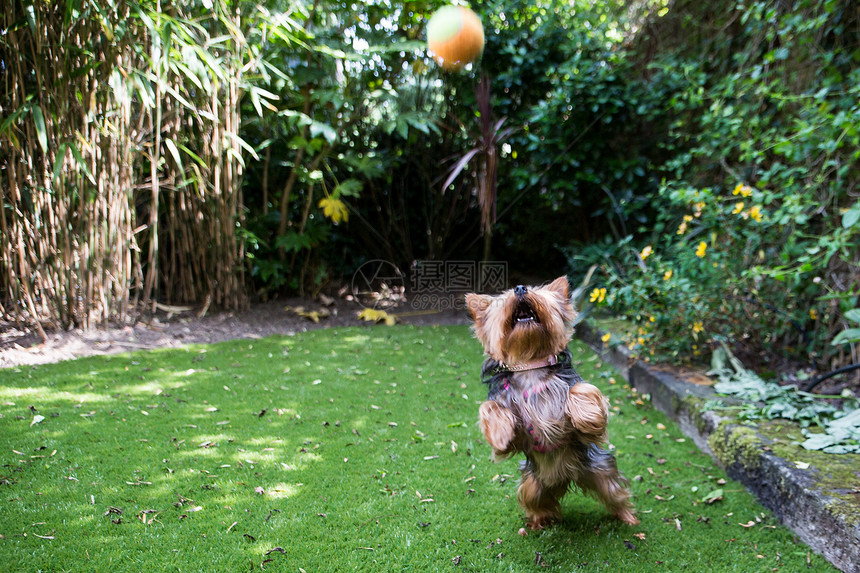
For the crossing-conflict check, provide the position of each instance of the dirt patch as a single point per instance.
(20, 346)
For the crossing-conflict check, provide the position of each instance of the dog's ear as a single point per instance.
(478, 305)
(560, 286)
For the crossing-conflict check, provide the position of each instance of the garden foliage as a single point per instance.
(755, 233)
(704, 155)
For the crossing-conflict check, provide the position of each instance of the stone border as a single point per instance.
(828, 524)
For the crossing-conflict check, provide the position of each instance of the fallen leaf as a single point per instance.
(629, 545)
(639, 536)
(798, 465)
(259, 490)
(713, 497)
(36, 419)
(377, 316)
(749, 523)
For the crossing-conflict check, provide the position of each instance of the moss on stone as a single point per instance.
(837, 475)
(736, 444)
(695, 406)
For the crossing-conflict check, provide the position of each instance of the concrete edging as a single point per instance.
(824, 522)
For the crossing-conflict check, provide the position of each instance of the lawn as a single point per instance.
(353, 449)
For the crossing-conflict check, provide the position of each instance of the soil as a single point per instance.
(22, 346)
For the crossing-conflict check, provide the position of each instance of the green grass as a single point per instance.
(350, 450)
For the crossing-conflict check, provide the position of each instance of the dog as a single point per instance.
(538, 405)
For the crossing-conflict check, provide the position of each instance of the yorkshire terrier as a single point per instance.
(539, 405)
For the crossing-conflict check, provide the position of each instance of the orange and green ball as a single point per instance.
(455, 36)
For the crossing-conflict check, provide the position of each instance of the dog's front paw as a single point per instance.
(497, 425)
(588, 411)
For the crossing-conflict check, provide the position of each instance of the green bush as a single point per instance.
(756, 237)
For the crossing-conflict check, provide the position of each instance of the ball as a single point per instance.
(455, 36)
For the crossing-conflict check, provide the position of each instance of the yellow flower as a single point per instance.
(606, 337)
(813, 314)
(652, 319)
(698, 327)
(739, 206)
(699, 207)
(646, 252)
(334, 209)
(755, 213)
(598, 295)
(667, 275)
(742, 190)
(682, 228)
(700, 250)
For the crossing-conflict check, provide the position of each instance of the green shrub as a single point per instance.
(756, 235)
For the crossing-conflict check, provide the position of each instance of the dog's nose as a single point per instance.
(520, 290)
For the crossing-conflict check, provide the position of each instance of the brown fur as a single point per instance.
(556, 425)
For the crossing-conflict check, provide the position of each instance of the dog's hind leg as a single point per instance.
(540, 502)
(603, 480)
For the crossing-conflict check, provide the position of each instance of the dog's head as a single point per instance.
(523, 323)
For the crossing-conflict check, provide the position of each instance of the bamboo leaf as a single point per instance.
(7, 123)
(174, 151)
(237, 155)
(255, 100)
(104, 20)
(76, 153)
(178, 97)
(198, 179)
(70, 9)
(244, 145)
(192, 155)
(186, 72)
(58, 162)
(41, 130)
(31, 18)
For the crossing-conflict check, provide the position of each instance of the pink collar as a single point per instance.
(550, 360)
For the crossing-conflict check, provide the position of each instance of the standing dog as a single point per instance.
(538, 404)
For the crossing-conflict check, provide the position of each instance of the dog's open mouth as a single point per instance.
(524, 314)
